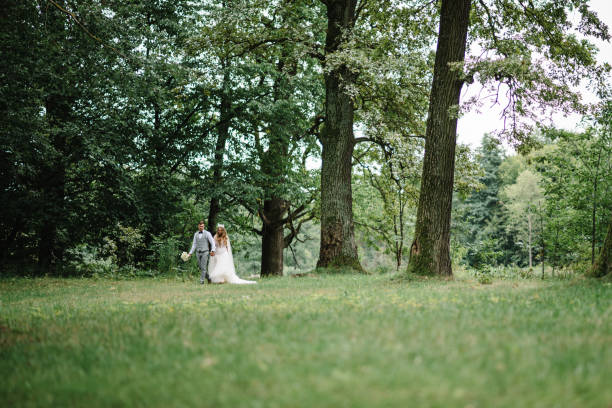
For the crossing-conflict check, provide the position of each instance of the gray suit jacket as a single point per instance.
(205, 243)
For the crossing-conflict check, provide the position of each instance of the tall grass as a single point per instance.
(332, 341)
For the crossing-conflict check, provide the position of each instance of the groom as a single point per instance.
(203, 243)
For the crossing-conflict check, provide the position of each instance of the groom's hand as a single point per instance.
(212, 253)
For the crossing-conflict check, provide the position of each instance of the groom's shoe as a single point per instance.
(208, 279)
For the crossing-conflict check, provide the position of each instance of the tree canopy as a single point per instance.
(299, 124)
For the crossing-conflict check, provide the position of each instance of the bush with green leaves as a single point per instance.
(129, 241)
(165, 255)
(484, 279)
(87, 260)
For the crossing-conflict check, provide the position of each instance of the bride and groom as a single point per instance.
(219, 250)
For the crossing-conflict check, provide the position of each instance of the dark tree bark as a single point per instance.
(337, 230)
(274, 165)
(17, 226)
(594, 211)
(222, 137)
(430, 250)
(398, 228)
(603, 264)
(272, 239)
(275, 207)
(53, 184)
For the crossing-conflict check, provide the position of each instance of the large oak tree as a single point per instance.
(527, 47)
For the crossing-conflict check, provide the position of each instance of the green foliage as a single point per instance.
(102, 120)
(484, 279)
(165, 254)
(541, 70)
(523, 201)
(484, 255)
(525, 273)
(603, 264)
(523, 196)
(85, 260)
(561, 189)
(576, 179)
(110, 116)
(479, 222)
(129, 243)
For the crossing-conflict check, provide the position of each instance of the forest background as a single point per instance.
(125, 123)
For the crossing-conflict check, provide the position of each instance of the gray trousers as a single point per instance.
(203, 264)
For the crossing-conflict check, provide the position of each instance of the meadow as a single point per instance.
(311, 341)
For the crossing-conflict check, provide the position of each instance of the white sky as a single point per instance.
(473, 125)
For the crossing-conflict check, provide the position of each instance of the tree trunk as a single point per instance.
(430, 250)
(272, 239)
(603, 264)
(8, 243)
(338, 246)
(556, 246)
(275, 166)
(398, 229)
(529, 240)
(222, 137)
(594, 211)
(542, 242)
(53, 185)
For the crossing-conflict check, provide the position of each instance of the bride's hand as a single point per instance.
(212, 253)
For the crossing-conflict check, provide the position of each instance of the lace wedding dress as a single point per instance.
(221, 268)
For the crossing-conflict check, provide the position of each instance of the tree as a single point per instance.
(543, 30)
(430, 250)
(59, 166)
(603, 264)
(390, 172)
(337, 140)
(111, 117)
(269, 111)
(479, 220)
(522, 201)
(576, 174)
(225, 42)
(376, 67)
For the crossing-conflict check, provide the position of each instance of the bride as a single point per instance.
(222, 264)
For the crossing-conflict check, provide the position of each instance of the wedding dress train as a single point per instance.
(221, 268)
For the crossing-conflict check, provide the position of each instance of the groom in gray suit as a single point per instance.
(203, 244)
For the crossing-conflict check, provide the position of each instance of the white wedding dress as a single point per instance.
(221, 267)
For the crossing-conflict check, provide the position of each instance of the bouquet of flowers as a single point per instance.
(184, 256)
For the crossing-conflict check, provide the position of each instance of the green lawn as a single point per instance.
(335, 341)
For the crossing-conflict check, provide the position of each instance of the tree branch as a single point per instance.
(380, 143)
(359, 9)
(89, 33)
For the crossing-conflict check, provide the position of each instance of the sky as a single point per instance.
(473, 125)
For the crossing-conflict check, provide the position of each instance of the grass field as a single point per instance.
(314, 341)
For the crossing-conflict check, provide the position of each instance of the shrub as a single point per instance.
(129, 241)
(484, 279)
(165, 254)
(86, 260)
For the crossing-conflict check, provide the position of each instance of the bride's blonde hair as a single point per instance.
(221, 236)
